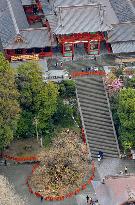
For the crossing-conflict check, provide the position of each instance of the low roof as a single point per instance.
(31, 38)
(122, 32)
(28, 2)
(69, 2)
(123, 47)
(49, 14)
(81, 19)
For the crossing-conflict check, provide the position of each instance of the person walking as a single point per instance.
(61, 64)
(99, 159)
(103, 181)
(125, 169)
(87, 197)
(5, 162)
(41, 198)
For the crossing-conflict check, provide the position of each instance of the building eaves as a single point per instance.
(123, 47)
(122, 32)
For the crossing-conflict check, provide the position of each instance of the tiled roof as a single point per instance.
(19, 14)
(47, 8)
(124, 10)
(49, 14)
(12, 18)
(28, 2)
(122, 32)
(109, 12)
(32, 38)
(57, 3)
(52, 19)
(81, 19)
(123, 47)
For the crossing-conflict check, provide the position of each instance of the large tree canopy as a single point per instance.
(9, 107)
(37, 99)
(126, 113)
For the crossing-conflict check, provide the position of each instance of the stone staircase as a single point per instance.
(96, 116)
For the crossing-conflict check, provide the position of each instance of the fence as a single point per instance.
(60, 198)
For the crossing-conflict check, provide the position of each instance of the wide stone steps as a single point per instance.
(90, 90)
(95, 139)
(94, 106)
(98, 121)
(97, 113)
(96, 116)
(99, 129)
(101, 135)
(93, 98)
(90, 87)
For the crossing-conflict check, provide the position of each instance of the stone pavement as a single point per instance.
(110, 167)
(16, 174)
(113, 166)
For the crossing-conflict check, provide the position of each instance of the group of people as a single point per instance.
(61, 64)
(125, 170)
(90, 69)
(91, 202)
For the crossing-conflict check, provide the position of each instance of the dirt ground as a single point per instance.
(24, 147)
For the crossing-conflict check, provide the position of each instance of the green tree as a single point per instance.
(67, 89)
(46, 103)
(114, 108)
(63, 115)
(37, 99)
(9, 107)
(129, 82)
(126, 113)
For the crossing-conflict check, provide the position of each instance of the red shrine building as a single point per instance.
(38, 27)
(82, 24)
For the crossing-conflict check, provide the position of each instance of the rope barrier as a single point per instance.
(60, 198)
(21, 159)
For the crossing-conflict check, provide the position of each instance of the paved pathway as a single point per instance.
(114, 166)
(17, 174)
(106, 168)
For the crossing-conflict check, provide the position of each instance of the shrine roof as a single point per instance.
(122, 32)
(81, 19)
(28, 2)
(124, 10)
(49, 14)
(31, 38)
(12, 19)
(117, 11)
(123, 47)
(57, 3)
(47, 8)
